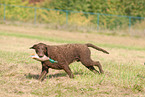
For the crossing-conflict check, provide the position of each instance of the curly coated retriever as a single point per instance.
(66, 54)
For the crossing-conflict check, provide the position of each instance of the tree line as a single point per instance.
(116, 7)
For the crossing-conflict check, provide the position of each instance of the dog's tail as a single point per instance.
(97, 48)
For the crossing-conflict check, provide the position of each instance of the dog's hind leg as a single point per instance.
(97, 63)
(86, 60)
(89, 63)
(91, 68)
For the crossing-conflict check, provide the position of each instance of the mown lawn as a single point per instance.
(124, 66)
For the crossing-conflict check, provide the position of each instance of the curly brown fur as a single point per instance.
(65, 55)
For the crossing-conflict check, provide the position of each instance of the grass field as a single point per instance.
(124, 67)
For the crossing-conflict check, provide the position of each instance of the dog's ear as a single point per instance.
(46, 53)
(33, 47)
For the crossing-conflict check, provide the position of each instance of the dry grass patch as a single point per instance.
(124, 68)
(100, 39)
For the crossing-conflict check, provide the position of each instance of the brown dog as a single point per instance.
(66, 54)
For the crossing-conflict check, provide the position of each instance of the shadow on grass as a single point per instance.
(30, 76)
(36, 76)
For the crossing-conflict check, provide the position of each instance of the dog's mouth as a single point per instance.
(40, 56)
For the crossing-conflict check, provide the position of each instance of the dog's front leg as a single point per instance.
(43, 73)
(68, 71)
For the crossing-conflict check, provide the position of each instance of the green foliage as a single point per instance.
(118, 7)
(114, 7)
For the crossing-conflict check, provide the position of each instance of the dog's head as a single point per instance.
(40, 49)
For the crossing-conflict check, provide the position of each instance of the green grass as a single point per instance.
(124, 70)
(60, 40)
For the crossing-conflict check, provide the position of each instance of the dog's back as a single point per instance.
(67, 52)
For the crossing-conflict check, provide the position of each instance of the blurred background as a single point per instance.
(125, 17)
